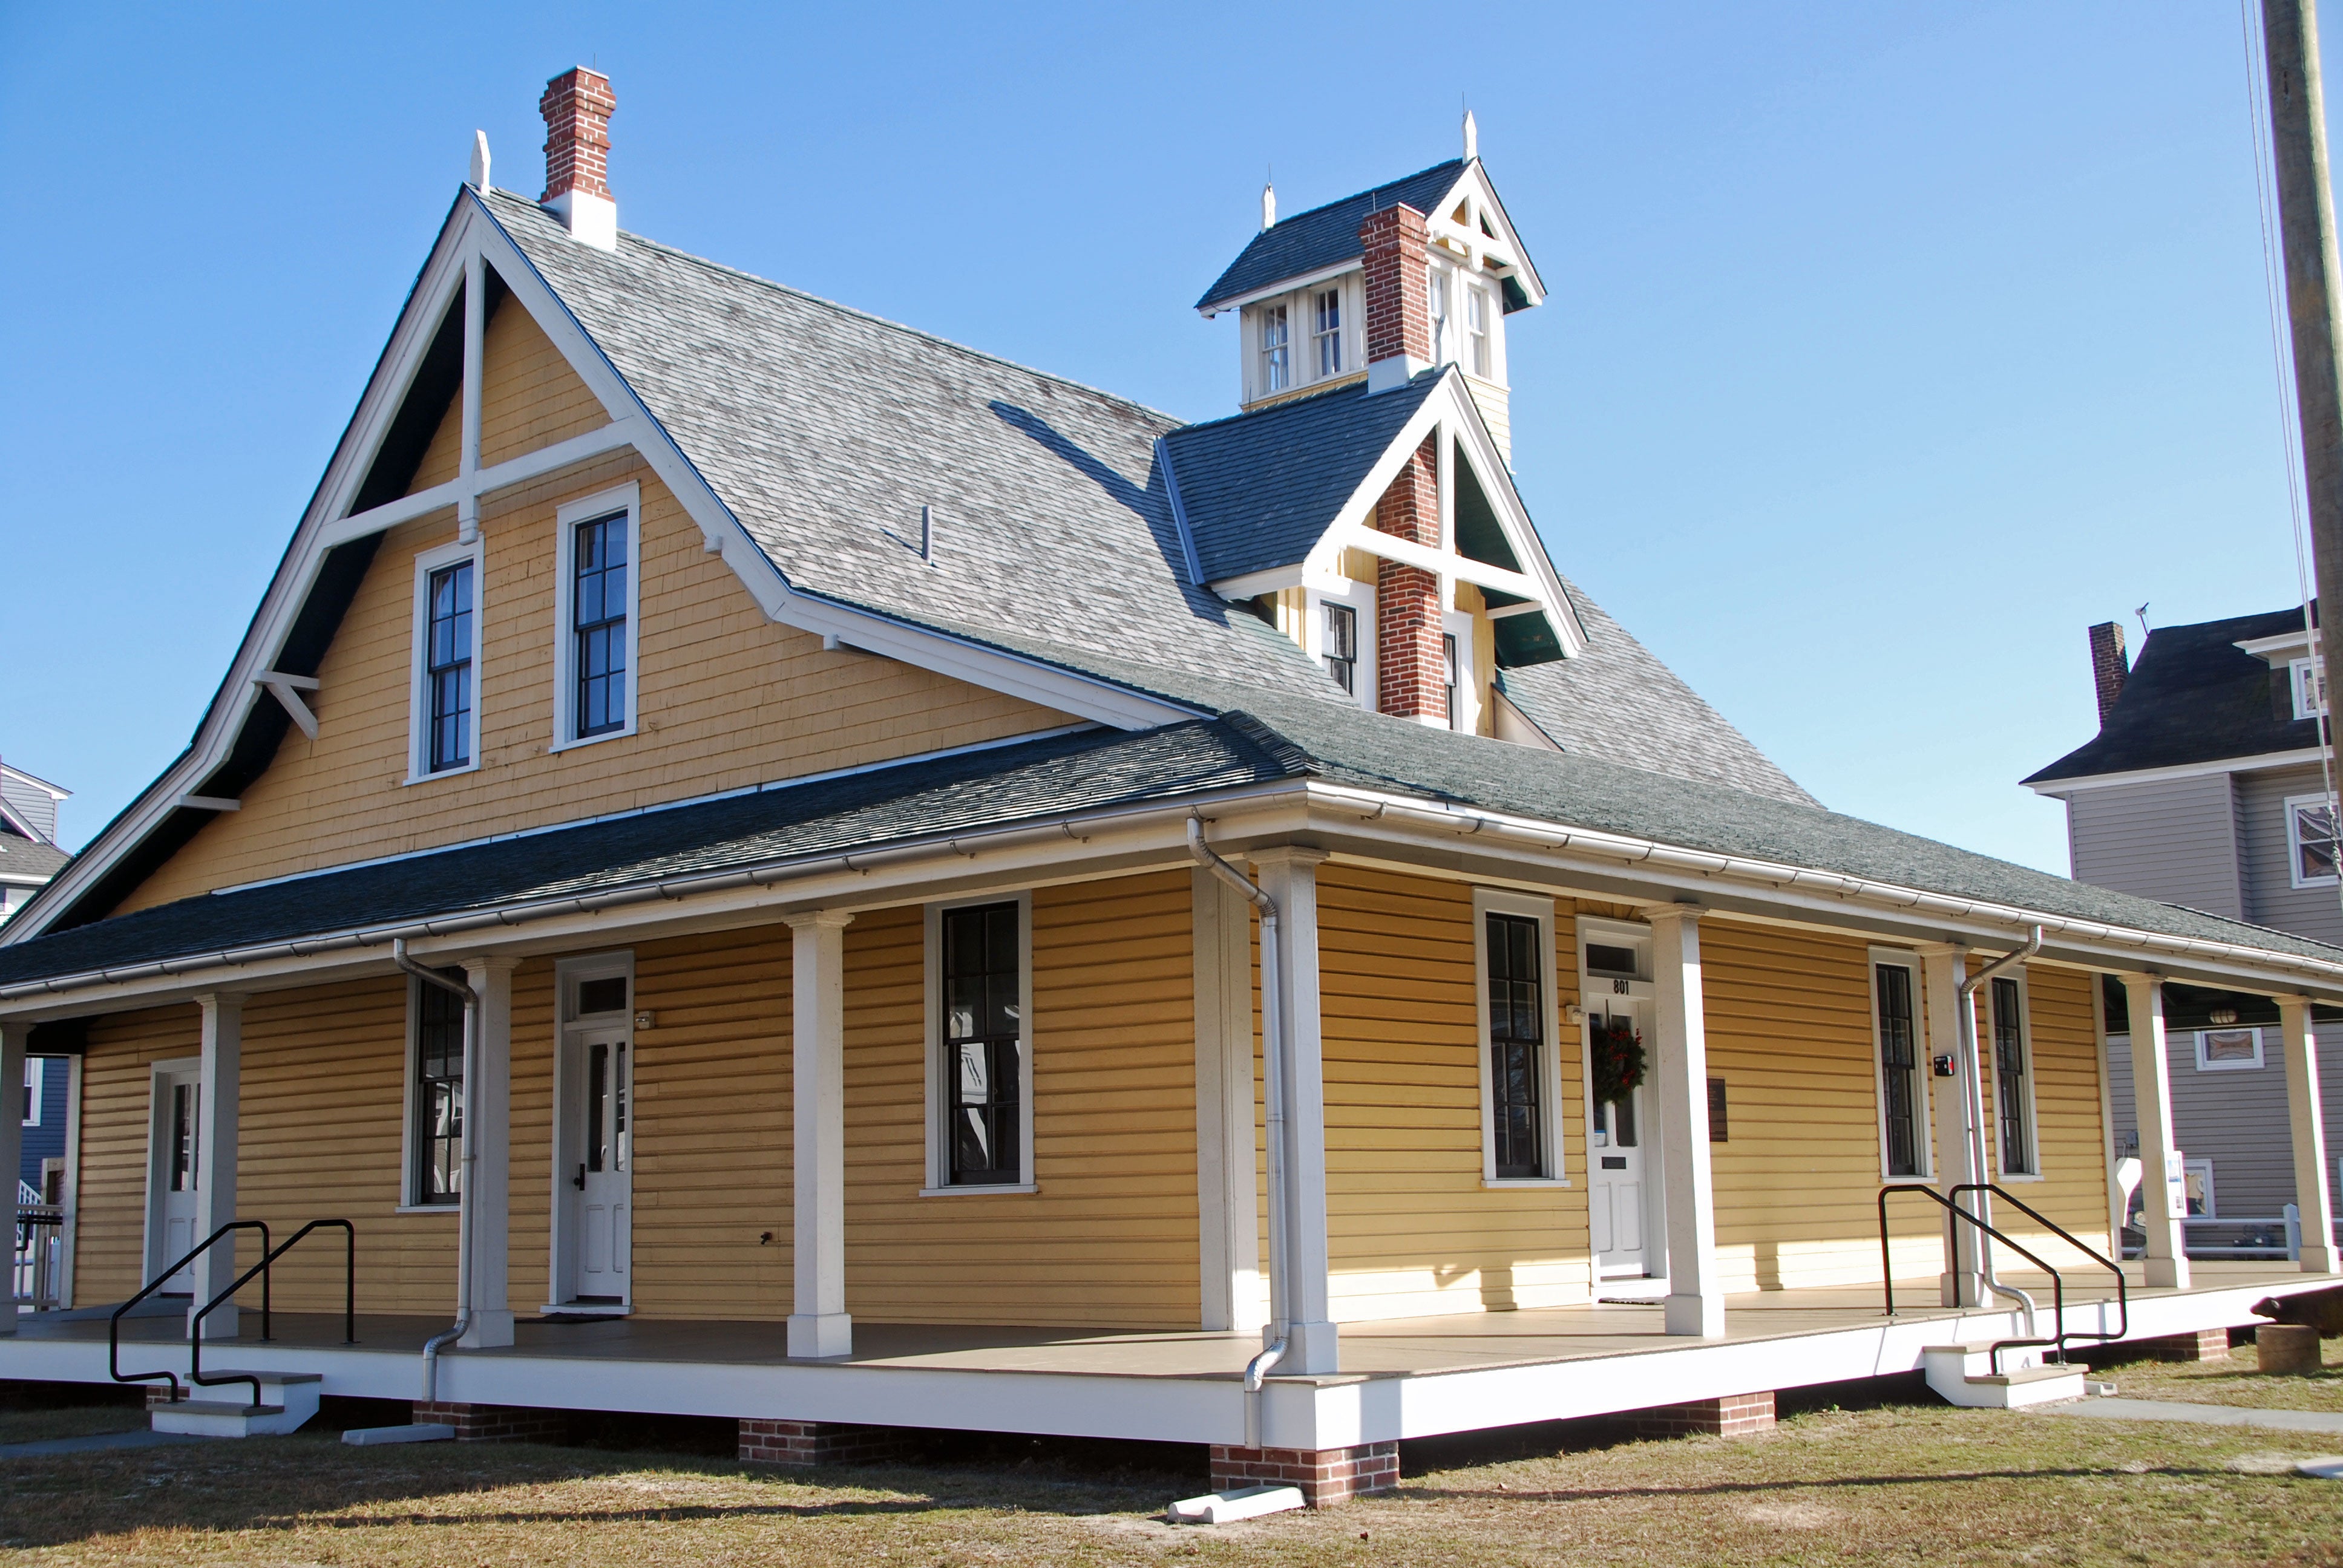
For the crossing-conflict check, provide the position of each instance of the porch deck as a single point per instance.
(1399, 1378)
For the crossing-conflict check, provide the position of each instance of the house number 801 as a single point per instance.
(1618, 987)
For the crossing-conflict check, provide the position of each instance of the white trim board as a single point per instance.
(2258, 762)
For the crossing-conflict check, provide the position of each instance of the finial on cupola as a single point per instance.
(1268, 204)
(1471, 138)
(480, 175)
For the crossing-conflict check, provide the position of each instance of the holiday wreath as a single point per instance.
(1618, 1059)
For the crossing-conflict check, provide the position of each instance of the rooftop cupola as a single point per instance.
(577, 106)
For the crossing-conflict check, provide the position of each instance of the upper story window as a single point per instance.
(1448, 672)
(1329, 331)
(2310, 835)
(448, 665)
(594, 696)
(1435, 305)
(445, 701)
(1476, 330)
(2309, 683)
(1341, 646)
(1276, 350)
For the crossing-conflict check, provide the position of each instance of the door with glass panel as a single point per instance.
(595, 1250)
(178, 1131)
(1617, 1003)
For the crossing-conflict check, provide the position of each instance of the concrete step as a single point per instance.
(1963, 1375)
(288, 1401)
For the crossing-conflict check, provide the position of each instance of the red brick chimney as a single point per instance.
(2108, 666)
(576, 106)
(1410, 675)
(1398, 319)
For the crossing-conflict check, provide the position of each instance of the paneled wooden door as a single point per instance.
(1617, 1144)
(175, 1161)
(600, 1201)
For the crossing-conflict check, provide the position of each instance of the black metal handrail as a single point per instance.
(114, 1325)
(263, 1269)
(2057, 1343)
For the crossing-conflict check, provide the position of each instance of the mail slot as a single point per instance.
(1615, 1162)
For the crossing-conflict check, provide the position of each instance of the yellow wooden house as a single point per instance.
(775, 867)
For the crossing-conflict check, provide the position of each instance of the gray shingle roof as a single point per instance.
(22, 858)
(1259, 489)
(1325, 236)
(2195, 697)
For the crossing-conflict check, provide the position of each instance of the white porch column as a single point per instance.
(1696, 1303)
(818, 1324)
(490, 1198)
(13, 1036)
(1289, 875)
(1944, 967)
(2309, 1126)
(2167, 1258)
(1227, 1171)
(220, 1083)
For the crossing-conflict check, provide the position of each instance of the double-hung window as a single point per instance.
(599, 585)
(1341, 646)
(1448, 672)
(1476, 328)
(436, 1095)
(1276, 350)
(2310, 838)
(1435, 304)
(1520, 1081)
(2013, 1092)
(980, 996)
(445, 721)
(1329, 333)
(1903, 1094)
(2309, 683)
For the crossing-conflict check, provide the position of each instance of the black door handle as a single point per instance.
(579, 1181)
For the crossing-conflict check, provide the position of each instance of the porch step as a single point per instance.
(288, 1401)
(1963, 1375)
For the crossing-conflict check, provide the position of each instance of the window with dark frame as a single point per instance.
(2009, 1077)
(984, 1046)
(186, 1100)
(1516, 1045)
(1448, 672)
(1899, 1063)
(447, 668)
(438, 1093)
(598, 621)
(1342, 646)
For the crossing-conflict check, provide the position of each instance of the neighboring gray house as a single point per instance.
(29, 855)
(2204, 788)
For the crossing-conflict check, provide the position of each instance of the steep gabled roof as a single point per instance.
(1326, 236)
(2195, 697)
(1259, 489)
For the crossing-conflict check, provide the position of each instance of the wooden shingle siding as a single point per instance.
(2176, 841)
(1111, 1237)
(1412, 1229)
(2237, 1119)
(2275, 901)
(727, 698)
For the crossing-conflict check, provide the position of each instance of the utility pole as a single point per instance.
(2306, 204)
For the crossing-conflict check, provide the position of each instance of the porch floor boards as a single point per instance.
(1392, 1347)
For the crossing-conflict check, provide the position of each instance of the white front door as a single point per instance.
(1617, 1143)
(176, 1129)
(601, 1156)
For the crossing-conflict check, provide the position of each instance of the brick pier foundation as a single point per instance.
(1733, 1415)
(803, 1444)
(1326, 1476)
(2204, 1345)
(494, 1423)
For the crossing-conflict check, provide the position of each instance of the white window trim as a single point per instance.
(939, 1183)
(2294, 841)
(1636, 937)
(2261, 1050)
(1923, 1070)
(1458, 624)
(1359, 598)
(1487, 901)
(410, 1197)
(418, 705)
(626, 498)
(2033, 1107)
(2298, 680)
(36, 1084)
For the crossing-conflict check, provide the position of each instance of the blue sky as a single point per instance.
(1887, 346)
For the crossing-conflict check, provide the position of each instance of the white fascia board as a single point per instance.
(1285, 285)
(8, 770)
(2275, 651)
(2258, 762)
(1447, 563)
(1524, 269)
(1253, 584)
(1514, 513)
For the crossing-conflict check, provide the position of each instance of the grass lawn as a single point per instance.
(2236, 1381)
(1893, 1483)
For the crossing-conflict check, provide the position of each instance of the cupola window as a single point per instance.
(1342, 646)
(1276, 351)
(1329, 332)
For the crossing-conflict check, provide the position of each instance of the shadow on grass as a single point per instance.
(1778, 1485)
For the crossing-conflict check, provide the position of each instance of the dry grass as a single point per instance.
(79, 1421)
(2236, 1381)
(1900, 1484)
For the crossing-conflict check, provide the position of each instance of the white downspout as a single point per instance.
(432, 1346)
(1973, 1102)
(1272, 1062)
